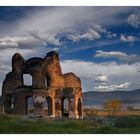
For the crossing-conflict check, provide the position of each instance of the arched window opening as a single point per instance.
(47, 81)
(65, 107)
(27, 78)
(79, 108)
(48, 106)
(29, 105)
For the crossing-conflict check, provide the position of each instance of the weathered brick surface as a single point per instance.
(59, 87)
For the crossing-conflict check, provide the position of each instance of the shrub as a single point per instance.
(113, 106)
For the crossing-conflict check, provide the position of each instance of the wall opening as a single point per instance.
(29, 105)
(27, 79)
(65, 107)
(48, 106)
(79, 108)
(47, 81)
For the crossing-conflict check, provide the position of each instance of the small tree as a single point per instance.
(113, 106)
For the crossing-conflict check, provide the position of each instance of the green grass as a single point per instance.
(18, 125)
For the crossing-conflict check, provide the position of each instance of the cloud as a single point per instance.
(101, 78)
(99, 28)
(44, 25)
(112, 87)
(116, 73)
(104, 54)
(134, 20)
(18, 42)
(129, 59)
(31, 33)
(111, 35)
(8, 43)
(46, 38)
(4, 68)
(60, 20)
(29, 41)
(92, 70)
(90, 35)
(129, 38)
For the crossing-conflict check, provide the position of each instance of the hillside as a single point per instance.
(93, 98)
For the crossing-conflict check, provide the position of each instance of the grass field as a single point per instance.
(20, 125)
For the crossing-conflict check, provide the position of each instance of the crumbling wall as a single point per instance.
(71, 80)
(53, 70)
(12, 81)
(59, 86)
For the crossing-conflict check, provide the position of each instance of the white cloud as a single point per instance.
(47, 38)
(112, 87)
(18, 42)
(74, 38)
(4, 68)
(46, 24)
(101, 78)
(111, 35)
(120, 55)
(129, 38)
(129, 59)
(116, 73)
(104, 54)
(90, 35)
(29, 41)
(58, 20)
(99, 28)
(90, 69)
(28, 34)
(8, 43)
(134, 20)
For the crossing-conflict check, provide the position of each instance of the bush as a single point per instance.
(113, 106)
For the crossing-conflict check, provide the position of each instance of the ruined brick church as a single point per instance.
(48, 85)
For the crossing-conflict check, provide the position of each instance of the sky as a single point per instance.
(101, 45)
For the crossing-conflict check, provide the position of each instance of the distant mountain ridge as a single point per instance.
(97, 99)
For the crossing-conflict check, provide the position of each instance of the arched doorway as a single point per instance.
(48, 106)
(65, 107)
(29, 105)
(79, 108)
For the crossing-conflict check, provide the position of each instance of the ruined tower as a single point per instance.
(49, 86)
